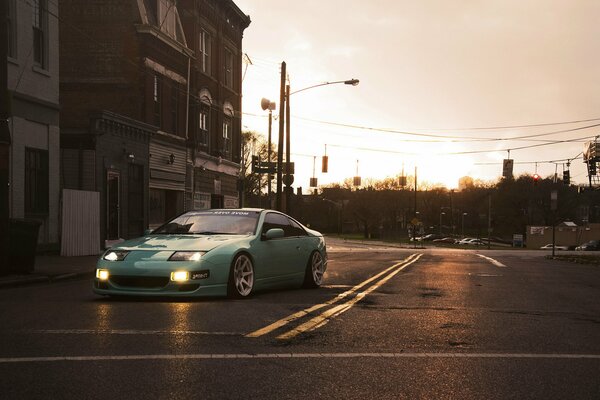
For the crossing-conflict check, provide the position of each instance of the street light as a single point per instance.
(285, 98)
(267, 104)
(442, 213)
(462, 232)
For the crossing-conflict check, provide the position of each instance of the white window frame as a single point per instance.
(40, 32)
(166, 17)
(204, 51)
(228, 68)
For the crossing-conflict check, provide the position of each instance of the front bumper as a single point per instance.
(150, 275)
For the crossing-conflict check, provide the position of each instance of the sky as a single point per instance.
(463, 79)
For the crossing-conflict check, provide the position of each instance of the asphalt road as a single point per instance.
(389, 324)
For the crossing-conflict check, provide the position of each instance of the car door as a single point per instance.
(304, 245)
(275, 256)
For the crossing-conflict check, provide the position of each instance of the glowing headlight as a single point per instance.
(116, 255)
(102, 274)
(186, 256)
(180, 276)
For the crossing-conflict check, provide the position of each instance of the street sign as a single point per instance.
(270, 167)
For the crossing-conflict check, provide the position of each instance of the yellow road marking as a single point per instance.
(284, 321)
(324, 317)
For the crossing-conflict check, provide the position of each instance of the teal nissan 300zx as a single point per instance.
(215, 253)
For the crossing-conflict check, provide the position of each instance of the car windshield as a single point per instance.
(212, 222)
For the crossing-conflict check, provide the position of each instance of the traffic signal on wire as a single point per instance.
(536, 179)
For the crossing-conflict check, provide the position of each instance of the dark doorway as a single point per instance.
(135, 201)
(216, 201)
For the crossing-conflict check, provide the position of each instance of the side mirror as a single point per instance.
(147, 232)
(274, 233)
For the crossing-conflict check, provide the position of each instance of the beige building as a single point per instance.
(567, 234)
(33, 86)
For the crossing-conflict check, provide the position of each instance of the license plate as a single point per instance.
(199, 275)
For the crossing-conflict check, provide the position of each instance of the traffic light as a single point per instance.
(591, 168)
(325, 164)
(566, 177)
(536, 179)
(255, 163)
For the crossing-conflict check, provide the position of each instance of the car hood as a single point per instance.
(177, 242)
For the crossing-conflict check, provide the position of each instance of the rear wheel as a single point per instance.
(241, 277)
(315, 269)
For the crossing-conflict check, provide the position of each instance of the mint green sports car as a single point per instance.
(215, 253)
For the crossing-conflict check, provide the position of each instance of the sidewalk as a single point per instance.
(52, 268)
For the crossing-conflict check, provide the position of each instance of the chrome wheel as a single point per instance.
(243, 275)
(317, 268)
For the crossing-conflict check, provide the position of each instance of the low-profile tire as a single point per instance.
(315, 269)
(241, 277)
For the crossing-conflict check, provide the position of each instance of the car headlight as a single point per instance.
(180, 276)
(187, 256)
(115, 255)
(102, 274)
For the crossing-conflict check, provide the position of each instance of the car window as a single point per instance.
(212, 222)
(296, 229)
(275, 220)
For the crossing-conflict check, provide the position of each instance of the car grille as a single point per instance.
(145, 282)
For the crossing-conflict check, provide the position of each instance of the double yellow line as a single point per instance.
(325, 316)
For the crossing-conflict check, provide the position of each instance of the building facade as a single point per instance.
(32, 66)
(214, 30)
(130, 103)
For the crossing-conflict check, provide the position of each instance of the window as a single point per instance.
(275, 220)
(157, 100)
(204, 51)
(296, 229)
(228, 66)
(40, 32)
(227, 135)
(11, 26)
(167, 17)
(203, 125)
(36, 181)
(174, 107)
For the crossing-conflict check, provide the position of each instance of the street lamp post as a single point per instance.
(462, 231)
(267, 104)
(441, 213)
(285, 98)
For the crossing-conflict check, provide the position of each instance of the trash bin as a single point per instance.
(22, 244)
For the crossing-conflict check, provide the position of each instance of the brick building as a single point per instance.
(140, 124)
(32, 80)
(214, 30)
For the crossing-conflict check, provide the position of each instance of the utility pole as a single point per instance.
(5, 113)
(489, 219)
(282, 97)
(289, 178)
(415, 190)
(269, 175)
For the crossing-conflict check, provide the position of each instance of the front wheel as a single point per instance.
(315, 269)
(241, 277)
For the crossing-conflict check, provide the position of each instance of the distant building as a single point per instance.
(141, 122)
(32, 66)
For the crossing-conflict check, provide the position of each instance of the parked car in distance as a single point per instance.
(445, 240)
(589, 246)
(557, 247)
(471, 242)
